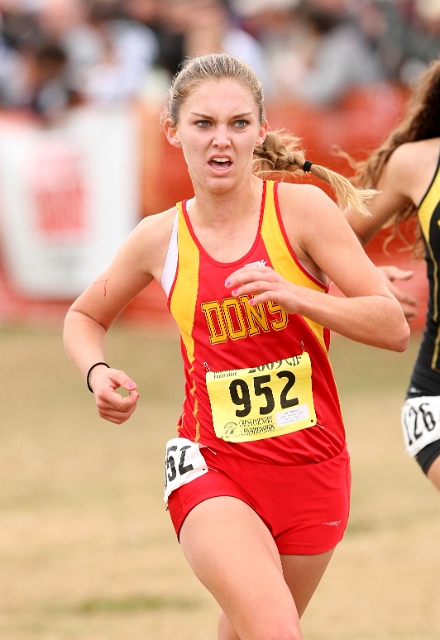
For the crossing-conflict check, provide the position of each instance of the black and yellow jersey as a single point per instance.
(425, 379)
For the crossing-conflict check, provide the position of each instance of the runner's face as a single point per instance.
(218, 130)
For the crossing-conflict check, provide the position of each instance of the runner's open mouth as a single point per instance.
(223, 163)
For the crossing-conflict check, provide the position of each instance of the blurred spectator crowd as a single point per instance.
(55, 54)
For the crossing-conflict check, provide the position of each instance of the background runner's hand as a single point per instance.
(111, 405)
(391, 273)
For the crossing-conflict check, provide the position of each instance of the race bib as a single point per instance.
(262, 402)
(183, 463)
(420, 422)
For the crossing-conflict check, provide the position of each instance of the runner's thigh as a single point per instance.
(303, 574)
(233, 554)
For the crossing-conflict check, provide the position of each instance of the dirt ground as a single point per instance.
(87, 550)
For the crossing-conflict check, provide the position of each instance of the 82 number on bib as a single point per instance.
(183, 463)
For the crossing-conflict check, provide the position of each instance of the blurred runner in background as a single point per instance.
(406, 170)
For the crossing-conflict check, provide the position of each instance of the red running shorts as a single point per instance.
(304, 507)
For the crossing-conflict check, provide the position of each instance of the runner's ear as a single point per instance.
(171, 133)
(262, 134)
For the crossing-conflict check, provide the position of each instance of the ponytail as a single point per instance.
(282, 153)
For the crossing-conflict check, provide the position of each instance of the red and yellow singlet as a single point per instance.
(258, 381)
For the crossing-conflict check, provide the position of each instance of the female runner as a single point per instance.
(258, 478)
(406, 171)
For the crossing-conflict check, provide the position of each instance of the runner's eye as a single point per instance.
(203, 124)
(240, 124)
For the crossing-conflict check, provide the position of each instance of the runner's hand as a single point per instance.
(111, 405)
(390, 273)
(263, 284)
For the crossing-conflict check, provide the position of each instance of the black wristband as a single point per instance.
(90, 371)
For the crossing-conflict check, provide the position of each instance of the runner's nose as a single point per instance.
(221, 137)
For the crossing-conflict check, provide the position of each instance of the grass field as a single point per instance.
(87, 550)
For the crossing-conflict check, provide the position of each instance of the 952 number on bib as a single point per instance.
(262, 402)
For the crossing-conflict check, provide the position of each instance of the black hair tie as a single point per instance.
(307, 165)
(90, 371)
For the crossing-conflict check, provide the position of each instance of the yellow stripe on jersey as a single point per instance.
(281, 258)
(425, 212)
(428, 205)
(184, 295)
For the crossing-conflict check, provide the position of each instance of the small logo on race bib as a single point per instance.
(230, 428)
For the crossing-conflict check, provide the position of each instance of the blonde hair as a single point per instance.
(281, 152)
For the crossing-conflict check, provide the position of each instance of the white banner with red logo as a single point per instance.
(69, 195)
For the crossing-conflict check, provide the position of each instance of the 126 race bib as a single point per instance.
(420, 422)
(262, 402)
